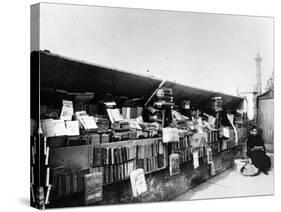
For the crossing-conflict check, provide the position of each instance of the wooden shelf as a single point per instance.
(113, 164)
(128, 142)
(127, 178)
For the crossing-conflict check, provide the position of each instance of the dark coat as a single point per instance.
(258, 156)
(254, 141)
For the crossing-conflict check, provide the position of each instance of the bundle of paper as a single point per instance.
(170, 135)
(72, 128)
(67, 110)
(51, 127)
(87, 122)
(133, 124)
(224, 132)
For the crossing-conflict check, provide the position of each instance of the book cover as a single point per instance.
(93, 187)
(138, 183)
(174, 164)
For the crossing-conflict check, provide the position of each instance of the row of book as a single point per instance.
(152, 164)
(150, 150)
(123, 136)
(113, 155)
(185, 155)
(182, 143)
(216, 147)
(116, 172)
(131, 112)
(242, 132)
(66, 182)
(213, 136)
(227, 144)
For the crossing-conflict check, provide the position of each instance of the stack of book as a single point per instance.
(122, 131)
(216, 104)
(201, 151)
(164, 97)
(87, 123)
(105, 138)
(153, 115)
(103, 124)
(131, 112)
(238, 118)
(121, 126)
(182, 148)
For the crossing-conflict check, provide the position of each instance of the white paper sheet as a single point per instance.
(195, 159)
(67, 110)
(72, 128)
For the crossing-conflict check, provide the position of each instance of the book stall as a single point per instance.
(104, 136)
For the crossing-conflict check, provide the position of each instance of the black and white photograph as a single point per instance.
(135, 105)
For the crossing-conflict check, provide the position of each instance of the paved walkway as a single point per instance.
(231, 184)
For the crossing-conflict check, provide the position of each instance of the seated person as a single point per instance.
(256, 151)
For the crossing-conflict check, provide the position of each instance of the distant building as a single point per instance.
(265, 117)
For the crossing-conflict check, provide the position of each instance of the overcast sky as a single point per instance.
(209, 51)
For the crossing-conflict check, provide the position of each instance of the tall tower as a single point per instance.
(258, 88)
(258, 60)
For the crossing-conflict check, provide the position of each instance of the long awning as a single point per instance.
(68, 74)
